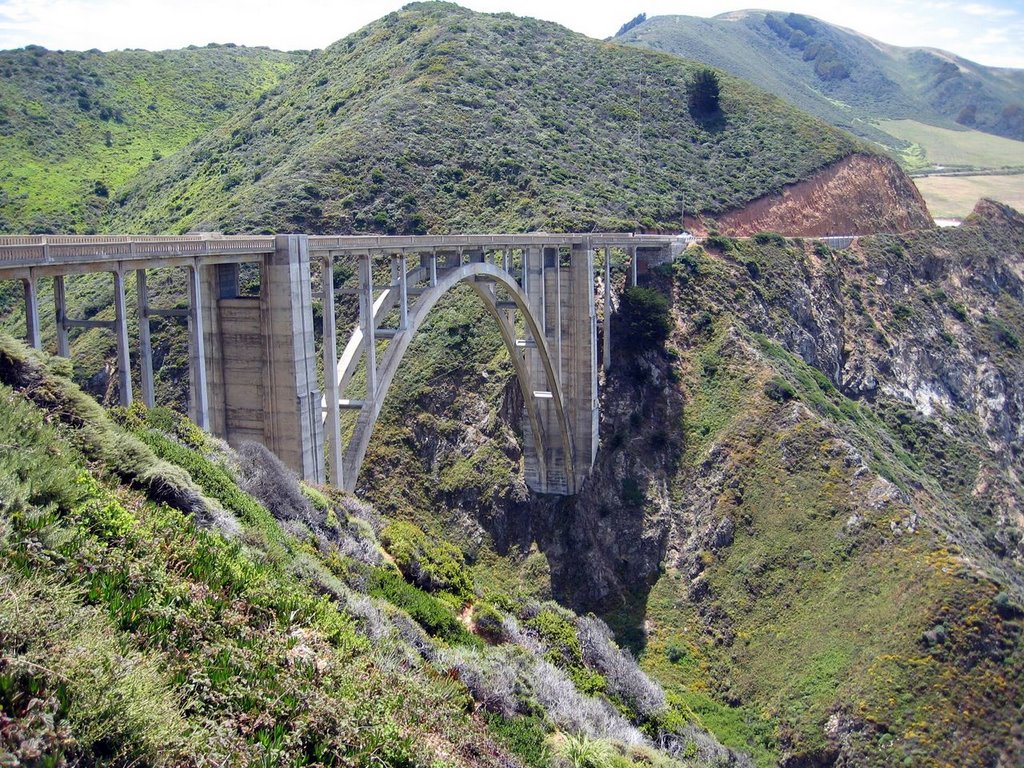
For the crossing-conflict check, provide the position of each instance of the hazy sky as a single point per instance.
(987, 31)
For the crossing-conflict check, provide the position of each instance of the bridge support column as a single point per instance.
(61, 317)
(197, 351)
(124, 363)
(292, 426)
(32, 334)
(332, 393)
(632, 266)
(145, 344)
(368, 325)
(607, 319)
(403, 292)
(579, 369)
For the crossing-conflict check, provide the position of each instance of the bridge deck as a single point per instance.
(63, 254)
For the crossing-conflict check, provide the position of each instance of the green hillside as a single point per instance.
(74, 127)
(842, 76)
(804, 517)
(438, 119)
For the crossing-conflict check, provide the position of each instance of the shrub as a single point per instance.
(624, 677)
(523, 735)
(632, 494)
(431, 565)
(488, 622)
(579, 751)
(675, 652)
(492, 677)
(270, 482)
(1005, 335)
(769, 238)
(779, 390)
(570, 710)
(433, 615)
(722, 243)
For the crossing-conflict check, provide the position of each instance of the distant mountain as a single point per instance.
(842, 76)
(75, 125)
(436, 118)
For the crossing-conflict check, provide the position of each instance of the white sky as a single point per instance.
(987, 31)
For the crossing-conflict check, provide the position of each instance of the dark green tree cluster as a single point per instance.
(704, 92)
(634, 22)
(644, 318)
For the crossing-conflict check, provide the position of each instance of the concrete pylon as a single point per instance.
(293, 427)
(563, 297)
(579, 355)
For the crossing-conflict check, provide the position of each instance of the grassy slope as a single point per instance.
(439, 119)
(74, 127)
(935, 145)
(955, 196)
(883, 82)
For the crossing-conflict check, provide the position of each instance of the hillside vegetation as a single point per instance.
(842, 76)
(166, 600)
(74, 126)
(438, 119)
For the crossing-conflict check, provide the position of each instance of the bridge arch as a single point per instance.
(481, 277)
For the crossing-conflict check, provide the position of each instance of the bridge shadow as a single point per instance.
(606, 546)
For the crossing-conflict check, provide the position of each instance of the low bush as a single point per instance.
(432, 614)
(435, 566)
(523, 735)
(779, 390)
(624, 678)
(488, 622)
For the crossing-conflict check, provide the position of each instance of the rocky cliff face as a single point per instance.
(860, 194)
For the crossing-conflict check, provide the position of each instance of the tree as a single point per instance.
(704, 92)
(645, 319)
(635, 21)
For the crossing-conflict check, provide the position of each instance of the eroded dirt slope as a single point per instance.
(858, 195)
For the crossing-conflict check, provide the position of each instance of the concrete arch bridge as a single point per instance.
(252, 357)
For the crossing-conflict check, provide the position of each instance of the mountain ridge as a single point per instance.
(816, 64)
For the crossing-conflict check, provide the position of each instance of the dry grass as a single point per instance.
(955, 196)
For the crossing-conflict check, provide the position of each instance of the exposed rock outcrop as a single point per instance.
(858, 195)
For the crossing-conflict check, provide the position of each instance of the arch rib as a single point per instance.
(355, 452)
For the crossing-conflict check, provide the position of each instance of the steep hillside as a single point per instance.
(74, 127)
(842, 76)
(807, 511)
(168, 601)
(439, 119)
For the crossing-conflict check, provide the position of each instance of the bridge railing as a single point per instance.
(443, 242)
(28, 250)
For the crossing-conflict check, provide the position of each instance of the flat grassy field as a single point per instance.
(955, 196)
(943, 146)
